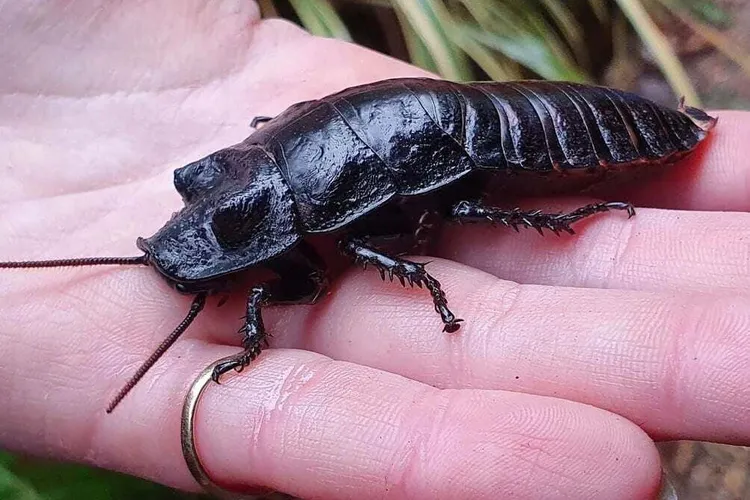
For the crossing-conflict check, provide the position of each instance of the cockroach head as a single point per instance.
(239, 212)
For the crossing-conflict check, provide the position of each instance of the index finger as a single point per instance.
(715, 177)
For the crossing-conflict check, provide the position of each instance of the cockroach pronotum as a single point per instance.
(388, 162)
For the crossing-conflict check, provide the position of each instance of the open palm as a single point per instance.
(632, 330)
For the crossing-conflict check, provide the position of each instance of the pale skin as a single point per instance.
(575, 354)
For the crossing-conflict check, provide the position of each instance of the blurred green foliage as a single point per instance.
(500, 40)
(22, 479)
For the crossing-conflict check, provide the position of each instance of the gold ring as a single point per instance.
(187, 435)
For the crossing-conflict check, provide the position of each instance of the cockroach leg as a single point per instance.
(301, 280)
(260, 120)
(406, 271)
(468, 211)
(253, 333)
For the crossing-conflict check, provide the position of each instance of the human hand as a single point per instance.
(362, 395)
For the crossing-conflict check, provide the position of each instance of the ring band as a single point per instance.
(187, 436)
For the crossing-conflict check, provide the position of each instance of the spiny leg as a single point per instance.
(253, 332)
(469, 211)
(405, 271)
(301, 280)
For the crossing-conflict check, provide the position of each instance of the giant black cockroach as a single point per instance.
(389, 159)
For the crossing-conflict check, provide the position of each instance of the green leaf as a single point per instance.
(708, 12)
(522, 34)
(497, 68)
(321, 19)
(22, 479)
(527, 51)
(13, 487)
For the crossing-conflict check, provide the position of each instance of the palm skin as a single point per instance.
(554, 388)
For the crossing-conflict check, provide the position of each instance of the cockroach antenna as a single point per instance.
(79, 262)
(198, 302)
(196, 307)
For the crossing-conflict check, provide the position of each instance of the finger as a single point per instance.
(675, 363)
(373, 434)
(295, 421)
(715, 177)
(656, 250)
(300, 423)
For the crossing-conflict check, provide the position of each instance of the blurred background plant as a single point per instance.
(629, 44)
(661, 49)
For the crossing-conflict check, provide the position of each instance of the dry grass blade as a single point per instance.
(418, 52)
(600, 10)
(570, 28)
(730, 48)
(430, 21)
(267, 9)
(662, 51)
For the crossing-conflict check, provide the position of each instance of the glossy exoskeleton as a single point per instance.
(391, 159)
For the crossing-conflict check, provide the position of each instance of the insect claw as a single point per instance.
(382, 273)
(401, 279)
(452, 326)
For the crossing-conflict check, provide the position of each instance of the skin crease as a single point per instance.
(553, 388)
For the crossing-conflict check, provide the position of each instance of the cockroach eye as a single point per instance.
(196, 179)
